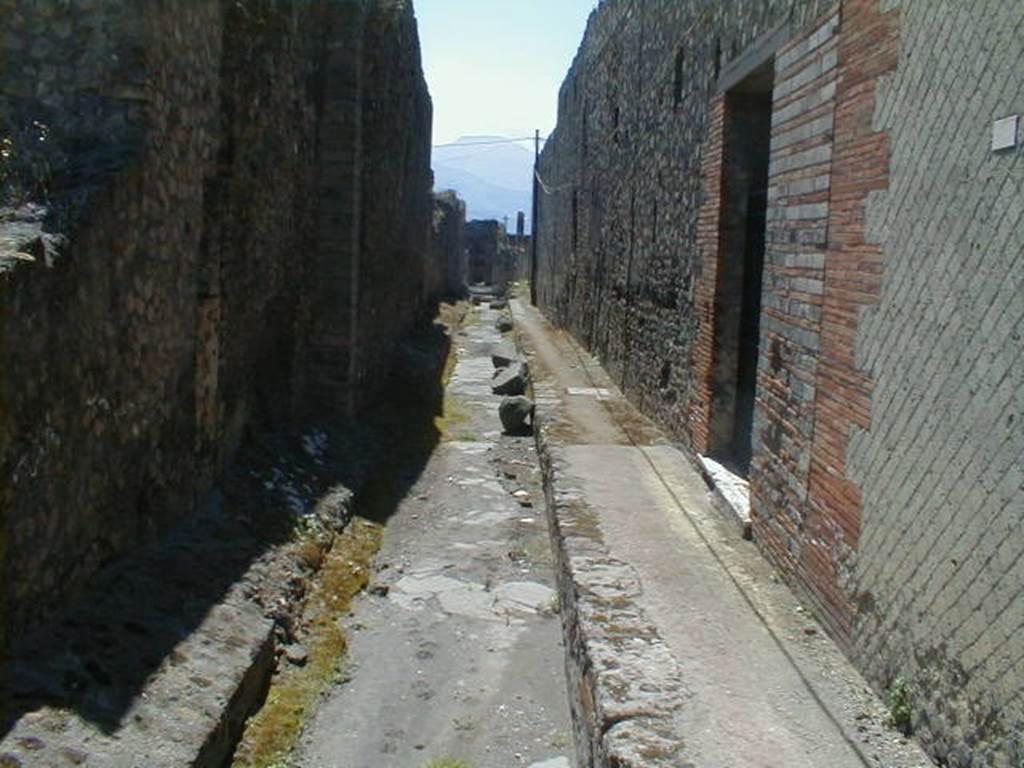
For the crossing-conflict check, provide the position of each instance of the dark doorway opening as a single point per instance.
(748, 119)
(478, 271)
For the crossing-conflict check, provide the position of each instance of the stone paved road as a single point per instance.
(461, 657)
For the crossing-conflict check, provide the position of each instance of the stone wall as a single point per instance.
(375, 151)
(491, 257)
(886, 454)
(448, 244)
(481, 250)
(163, 300)
(98, 352)
(618, 257)
(397, 184)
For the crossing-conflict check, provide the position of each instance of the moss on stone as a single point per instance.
(271, 735)
(451, 422)
(447, 762)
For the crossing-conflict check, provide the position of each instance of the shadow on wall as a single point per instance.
(175, 328)
(404, 422)
(100, 654)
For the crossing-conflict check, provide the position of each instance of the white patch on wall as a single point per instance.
(1005, 133)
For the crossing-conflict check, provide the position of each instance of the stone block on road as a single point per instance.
(504, 355)
(514, 413)
(511, 380)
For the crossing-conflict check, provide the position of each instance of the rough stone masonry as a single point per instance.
(784, 229)
(217, 219)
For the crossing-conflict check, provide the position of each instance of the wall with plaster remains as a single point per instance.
(886, 453)
(939, 567)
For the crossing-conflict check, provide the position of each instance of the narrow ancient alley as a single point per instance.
(482, 384)
(455, 651)
(682, 639)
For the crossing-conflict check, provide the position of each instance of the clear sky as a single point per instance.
(494, 66)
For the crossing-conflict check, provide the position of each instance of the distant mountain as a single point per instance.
(495, 180)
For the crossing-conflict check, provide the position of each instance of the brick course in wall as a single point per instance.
(800, 195)
(709, 239)
(867, 49)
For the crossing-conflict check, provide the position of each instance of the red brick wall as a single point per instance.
(819, 274)
(709, 241)
(860, 164)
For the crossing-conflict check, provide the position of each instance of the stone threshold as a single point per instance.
(730, 492)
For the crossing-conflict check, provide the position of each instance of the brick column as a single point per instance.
(709, 244)
(853, 268)
(803, 114)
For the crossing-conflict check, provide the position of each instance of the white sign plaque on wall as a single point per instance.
(1005, 133)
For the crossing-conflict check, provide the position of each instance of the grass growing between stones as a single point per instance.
(404, 426)
(452, 317)
(271, 735)
(447, 762)
(451, 423)
(454, 413)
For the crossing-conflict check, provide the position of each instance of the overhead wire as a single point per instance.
(448, 158)
(486, 143)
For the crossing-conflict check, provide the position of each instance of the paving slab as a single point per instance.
(683, 647)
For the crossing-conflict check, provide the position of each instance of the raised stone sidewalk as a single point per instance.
(683, 648)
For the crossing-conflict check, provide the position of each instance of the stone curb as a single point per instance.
(625, 685)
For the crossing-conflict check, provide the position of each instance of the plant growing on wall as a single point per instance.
(6, 155)
(24, 165)
(898, 701)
